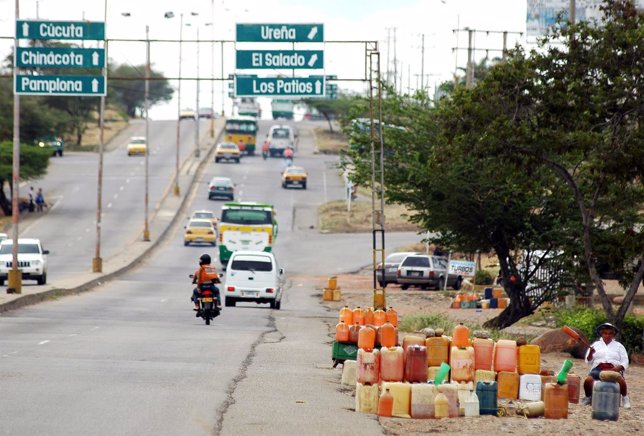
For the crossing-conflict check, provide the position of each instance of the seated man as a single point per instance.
(606, 354)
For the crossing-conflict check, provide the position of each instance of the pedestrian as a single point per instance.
(606, 354)
(40, 200)
(31, 204)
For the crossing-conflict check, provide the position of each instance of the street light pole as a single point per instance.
(197, 151)
(212, 70)
(177, 191)
(146, 230)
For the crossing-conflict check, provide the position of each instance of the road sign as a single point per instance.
(84, 30)
(60, 57)
(280, 32)
(59, 85)
(275, 59)
(279, 86)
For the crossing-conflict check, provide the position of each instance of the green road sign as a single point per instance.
(60, 30)
(284, 59)
(280, 32)
(279, 86)
(60, 57)
(59, 85)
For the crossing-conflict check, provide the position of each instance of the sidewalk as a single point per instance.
(162, 217)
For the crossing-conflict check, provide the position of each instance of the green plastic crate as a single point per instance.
(343, 351)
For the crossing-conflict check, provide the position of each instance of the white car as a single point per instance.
(32, 260)
(253, 276)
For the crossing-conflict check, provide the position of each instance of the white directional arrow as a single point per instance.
(313, 32)
(25, 29)
(95, 58)
(94, 85)
(313, 60)
(318, 87)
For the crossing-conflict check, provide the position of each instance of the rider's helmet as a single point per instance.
(205, 259)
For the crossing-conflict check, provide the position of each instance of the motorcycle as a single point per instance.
(210, 305)
(265, 154)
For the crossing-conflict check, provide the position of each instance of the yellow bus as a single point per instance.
(242, 130)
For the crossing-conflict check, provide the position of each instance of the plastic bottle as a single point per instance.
(462, 364)
(472, 405)
(529, 359)
(441, 374)
(358, 315)
(563, 372)
(416, 364)
(555, 399)
(392, 366)
(379, 317)
(574, 388)
(412, 340)
(385, 404)
(342, 332)
(437, 351)
(367, 338)
(354, 333)
(368, 316)
(346, 315)
(483, 353)
(461, 336)
(508, 385)
(441, 406)
(368, 367)
(392, 316)
(486, 391)
(505, 356)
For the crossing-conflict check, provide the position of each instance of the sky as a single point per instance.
(401, 29)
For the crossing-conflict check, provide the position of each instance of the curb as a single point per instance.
(30, 299)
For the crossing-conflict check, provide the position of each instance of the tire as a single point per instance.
(1, 282)
(60, 153)
(186, 243)
(457, 284)
(216, 160)
(278, 305)
(229, 302)
(382, 284)
(272, 304)
(207, 319)
(404, 287)
(440, 284)
(237, 160)
(42, 279)
(304, 185)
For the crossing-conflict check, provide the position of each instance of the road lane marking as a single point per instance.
(109, 205)
(116, 196)
(324, 182)
(127, 180)
(72, 334)
(43, 342)
(121, 188)
(164, 300)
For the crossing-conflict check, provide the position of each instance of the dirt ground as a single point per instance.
(356, 291)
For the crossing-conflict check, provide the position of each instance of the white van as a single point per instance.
(253, 276)
(280, 138)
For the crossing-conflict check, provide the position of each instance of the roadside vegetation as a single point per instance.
(334, 218)
(328, 142)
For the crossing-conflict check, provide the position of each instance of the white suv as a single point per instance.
(32, 260)
(254, 276)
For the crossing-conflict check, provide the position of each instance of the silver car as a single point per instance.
(390, 268)
(426, 271)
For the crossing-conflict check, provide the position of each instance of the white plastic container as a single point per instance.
(530, 387)
(472, 405)
(349, 373)
(366, 398)
(422, 400)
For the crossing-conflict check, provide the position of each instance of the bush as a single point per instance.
(587, 319)
(483, 277)
(418, 321)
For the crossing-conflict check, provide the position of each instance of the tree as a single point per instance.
(33, 163)
(330, 108)
(129, 88)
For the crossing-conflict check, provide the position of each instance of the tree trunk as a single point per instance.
(513, 313)
(328, 119)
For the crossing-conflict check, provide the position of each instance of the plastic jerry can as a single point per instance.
(471, 406)
(358, 315)
(354, 333)
(461, 336)
(412, 340)
(342, 332)
(368, 367)
(437, 350)
(387, 335)
(505, 356)
(367, 338)
(545, 379)
(385, 403)
(530, 387)
(574, 387)
(507, 385)
(392, 316)
(462, 363)
(368, 316)
(337, 295)
(402, 398)
(529, 359)
(486, 391)
(422, 400)
(392, 366)
(416, 364)
(555, 400)
(483, 353)
(606, 400)
(482, 375)
(441, 406)
(379, 317)
(332, 282)
(327, 294)
(463, 390)
(366, 398)
(487, 293)
(450, 390)
(346, 315)
(432, 371)
(349, 373)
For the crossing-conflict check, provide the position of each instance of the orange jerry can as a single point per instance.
(529, 360)
(508, 385)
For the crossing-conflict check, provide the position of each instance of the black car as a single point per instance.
(53, 143)
(221, 187)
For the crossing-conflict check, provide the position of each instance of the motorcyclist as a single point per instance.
(288, 156)
(265, 149)
(205, 277)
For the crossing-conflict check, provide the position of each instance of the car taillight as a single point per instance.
(269, 290)
(221, 238)
(211, 187)
(230, 288)
(210, 232)
(431, 274)
(270, 239)
(397, 273)
(189, 232)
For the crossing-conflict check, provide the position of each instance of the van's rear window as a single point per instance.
(251, 265)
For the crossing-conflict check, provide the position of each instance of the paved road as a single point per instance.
(131, 358)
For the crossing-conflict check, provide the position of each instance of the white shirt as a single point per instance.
(613, 352)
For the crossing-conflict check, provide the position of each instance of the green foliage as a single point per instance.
(585, 319)
(483, 277)
(129, 89)
(418, 321)
(633, 333)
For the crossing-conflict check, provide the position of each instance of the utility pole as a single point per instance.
(395, 63)
(388, 72)
(422, 62)
(14, 276)
(469, 75)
